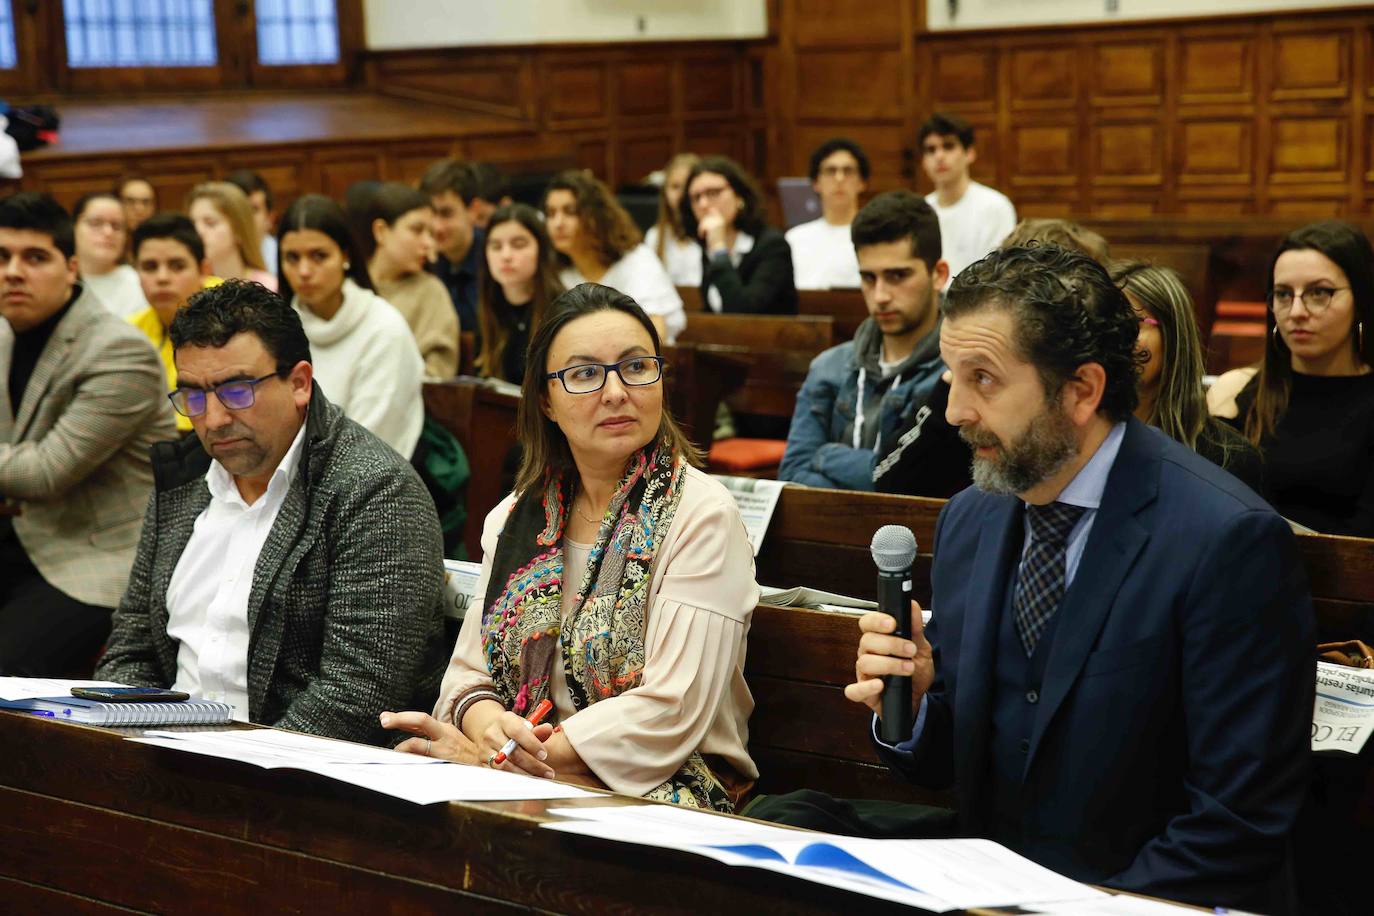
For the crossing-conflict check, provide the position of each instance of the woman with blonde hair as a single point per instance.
(598, 242)
(224, 219)
(1172, 398)
(667, 238)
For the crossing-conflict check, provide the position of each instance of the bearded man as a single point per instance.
(1118, 676)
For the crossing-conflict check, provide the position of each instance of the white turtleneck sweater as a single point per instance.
(366, 361)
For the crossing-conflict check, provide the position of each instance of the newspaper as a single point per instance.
(1344, 712)
(756, 500)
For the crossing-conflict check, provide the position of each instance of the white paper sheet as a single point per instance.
(1119, 905)
(28, 688)
(1343, 715)
(756, 500)
(422, 780)
(937, 875)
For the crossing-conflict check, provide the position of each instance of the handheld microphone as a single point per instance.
(894, 550)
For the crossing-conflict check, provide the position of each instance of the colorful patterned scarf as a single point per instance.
(601, 644)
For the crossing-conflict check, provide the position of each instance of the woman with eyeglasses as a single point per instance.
(365, 357)
(747, 264)
(1172, 398)
(598, 242)
(1309, 405)
(617, 582)
(102, 238)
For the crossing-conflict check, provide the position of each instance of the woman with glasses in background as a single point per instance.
(1172, 398)
(365, 357)
(617, 582)
(747, 264)
(1309, 405)
(102, 238)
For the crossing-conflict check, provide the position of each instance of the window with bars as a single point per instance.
(8, 58)
(140, 33)
(294, 32)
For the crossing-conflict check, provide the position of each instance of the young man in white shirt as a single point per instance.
(291, 564)
(822, 253)
(974, 219)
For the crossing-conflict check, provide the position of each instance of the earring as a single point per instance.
(1275, 333)
(1359, 330)
(347, 265)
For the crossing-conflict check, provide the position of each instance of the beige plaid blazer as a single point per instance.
(76, 457)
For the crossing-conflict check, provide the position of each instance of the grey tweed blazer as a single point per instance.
(345, 614)
(76, 454)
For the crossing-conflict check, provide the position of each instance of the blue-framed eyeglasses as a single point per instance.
(236, 394)
(590, 377)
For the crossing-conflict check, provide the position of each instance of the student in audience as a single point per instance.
(822, 255)
(634, 592)
(365, 357)
(747, 264)
(974, 219)
(224, 219)
(1062, 232)
(679, 252)
(597, 241)
(493, 191)
(1310, 404)
(291, 564)
(453, 188)
(170, 258)
(1119, 670)
(139, 199)
(102, 241)
(861, 392)
(1171, 395)
(81, 403)
(518, 285)
(400, 224)
(259, 194)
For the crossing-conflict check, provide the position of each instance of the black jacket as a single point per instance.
(762, 284)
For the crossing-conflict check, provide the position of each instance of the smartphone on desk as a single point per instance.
(130, 694)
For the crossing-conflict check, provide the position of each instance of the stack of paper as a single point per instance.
(937, 875)
(422, 780)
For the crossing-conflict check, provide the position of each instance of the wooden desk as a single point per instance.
(93, 823)
(846, 306)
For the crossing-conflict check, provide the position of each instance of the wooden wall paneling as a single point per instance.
(639, 154)
(1045, 152)
(821, 23)
(1216, 66)
(1310, 207)
(1215, 151)
(710, 84)
(1125, 207)
(1044, 76)
(644, 88)
(707, 138)
(406, 162)
(962, 79)
(176, 176)
(593, 152)
(1309, 63)
(68, 181)
(576, 92)
(1126, 153)
(1307, 149)
(827, 81)
(1128, 71)
(497, 83)
(337, 169)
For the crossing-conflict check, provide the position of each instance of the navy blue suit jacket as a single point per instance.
(1170, 745)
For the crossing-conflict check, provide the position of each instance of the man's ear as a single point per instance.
(939, 274)
(972, 154)
(73, 270)
(1083, 393)
(302, 381)
(204, 266)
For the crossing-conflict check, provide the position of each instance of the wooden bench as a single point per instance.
(846, 306)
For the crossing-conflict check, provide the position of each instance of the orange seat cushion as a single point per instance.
(734, 455)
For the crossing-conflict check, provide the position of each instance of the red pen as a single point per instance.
(534, 719)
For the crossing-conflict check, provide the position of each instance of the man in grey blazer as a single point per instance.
(81, 403)
(291, 562)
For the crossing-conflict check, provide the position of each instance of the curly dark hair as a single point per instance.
(1066, 311)
(835, 145)
(610, 230)
(751, 218)
(212, 317)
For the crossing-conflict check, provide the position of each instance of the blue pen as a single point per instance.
(47, 713)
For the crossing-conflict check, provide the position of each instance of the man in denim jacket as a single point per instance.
(859, 394)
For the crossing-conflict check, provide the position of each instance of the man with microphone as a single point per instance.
(1118, 675)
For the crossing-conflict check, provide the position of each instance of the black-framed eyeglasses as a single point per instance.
(590, 377)
(236, 394)
(1315, 298)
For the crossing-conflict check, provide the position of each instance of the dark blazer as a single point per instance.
(1169, 746)
(345, 616)
(761, 284)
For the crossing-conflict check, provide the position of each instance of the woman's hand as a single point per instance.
(529, 754)
(712, 229)
(433, 738)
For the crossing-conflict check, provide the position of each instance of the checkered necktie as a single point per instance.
(1040, 586)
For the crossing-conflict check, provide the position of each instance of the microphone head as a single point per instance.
(893, 548)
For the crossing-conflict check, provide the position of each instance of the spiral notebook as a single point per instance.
(45, 697)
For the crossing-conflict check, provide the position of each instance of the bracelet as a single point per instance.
(468, 698)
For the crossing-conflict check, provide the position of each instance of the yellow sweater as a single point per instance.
(146, 320)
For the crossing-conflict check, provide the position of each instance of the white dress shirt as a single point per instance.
(207, 598)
